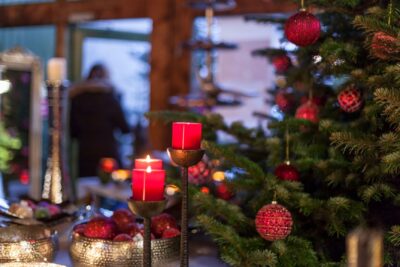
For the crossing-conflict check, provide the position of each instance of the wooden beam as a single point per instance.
(70, 12)
(161, 61)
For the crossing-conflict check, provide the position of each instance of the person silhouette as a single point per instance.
(95, 115)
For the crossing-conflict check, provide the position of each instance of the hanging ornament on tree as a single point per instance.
(384, 46)
(303, 28)
(350, 99)
(285, 100)
(274, 222)
(308, 111)
(223, 192)
(286, 171)
(200, 173)
(282, 63)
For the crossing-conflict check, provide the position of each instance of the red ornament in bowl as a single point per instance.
(303, 29)
(103, 228)
(274, 222)
(287, 172)
(123, 218)
(161, 222)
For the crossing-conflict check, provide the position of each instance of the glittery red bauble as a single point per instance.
(161, 222)
(122, 218)
(303, 28)
(384, 46)
(308, 111)
(285, 100)
(223, 192)
(274, 222)
(281, 63)
(350, 99)
(199, 173)
(103, 228)
(287, 172)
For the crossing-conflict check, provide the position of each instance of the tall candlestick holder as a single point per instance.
(184, 159)
(56, 177)
(146, 209)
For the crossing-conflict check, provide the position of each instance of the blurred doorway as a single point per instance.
(124, 47)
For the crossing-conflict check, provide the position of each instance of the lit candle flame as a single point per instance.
(148, 170)
(148, 159)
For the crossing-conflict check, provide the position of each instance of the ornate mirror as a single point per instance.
(20, 104)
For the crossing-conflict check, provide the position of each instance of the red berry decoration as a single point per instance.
(122, 238)
(284, 100)
(223, 192)
(287, 172)
(161, 222)
(274, 222)
(108, 165)
(122, 218)
(308, 111)
(199, 173)
(303, 28)
(170, 233)
(282, 63)
(350, 99)
(103, 228)
(384, 46)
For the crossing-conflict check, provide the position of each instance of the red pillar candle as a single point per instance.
(148, 184)
(155, 164)
(186, 135)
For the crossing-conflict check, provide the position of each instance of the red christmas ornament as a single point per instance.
(122, 238)
(122, 218)
(223, 192)
(131, 229)
(303, 29)
(350, 99)
(199, 173)
(384, 46)
(205, 190)
(287, 172)
(161, 222)
(285, 100)
(281, 63)
(308, 111)
(170, 233)
(274, 222)
(103, 228)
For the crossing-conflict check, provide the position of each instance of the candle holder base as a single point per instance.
(185, 158)
(147, 209)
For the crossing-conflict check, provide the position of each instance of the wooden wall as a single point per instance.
(172, 24)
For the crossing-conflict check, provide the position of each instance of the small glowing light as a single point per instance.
(5, 86)
(171, 190)
(120, 175)
(148, 159)
(205, 190)
(218, 176)
(148, 170)
(317, 59)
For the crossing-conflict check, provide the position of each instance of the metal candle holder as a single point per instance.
(184, 159)
(147, 209)
(56, 175)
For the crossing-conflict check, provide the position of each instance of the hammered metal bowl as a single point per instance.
(87, 252)
(27, 244)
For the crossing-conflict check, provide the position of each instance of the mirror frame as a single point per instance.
(21, 59)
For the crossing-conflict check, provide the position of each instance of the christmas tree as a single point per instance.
(332, 163)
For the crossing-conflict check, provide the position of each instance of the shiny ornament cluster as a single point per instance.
(122, 227)
(199, 174)
(274, 222)
(303, 29)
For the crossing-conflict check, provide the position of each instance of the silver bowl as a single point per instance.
(87, 252)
